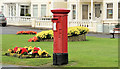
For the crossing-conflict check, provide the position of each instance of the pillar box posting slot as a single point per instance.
(60, 48)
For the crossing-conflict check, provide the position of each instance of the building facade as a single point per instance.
(97, 15)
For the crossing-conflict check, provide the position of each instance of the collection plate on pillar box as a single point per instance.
(54, 26)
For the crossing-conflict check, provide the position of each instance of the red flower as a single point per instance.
(15, 49)
(19, 32)
(35, 50)
(24, 50)
(26, 32)
(30, 40)
(34, 39)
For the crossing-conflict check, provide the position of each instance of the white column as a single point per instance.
(4, 10)
(68, 7)
(117, 9)
(52, 3)
(17, 9)
(91, 10)
(33, 23)
(76, 9)
(31, 10)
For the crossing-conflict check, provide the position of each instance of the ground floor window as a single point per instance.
(84, 11)
(35, 10)
(109, 10)
(43, 10)
(2, 9)
(12, 10)
(97, 10)
(73, 11)
(119, 10)
(24, 10)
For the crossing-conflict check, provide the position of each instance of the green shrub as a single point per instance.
(27, 14)
(117, 26)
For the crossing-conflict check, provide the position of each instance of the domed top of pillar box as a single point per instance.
(60, 11)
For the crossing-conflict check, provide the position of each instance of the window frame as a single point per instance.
(95, 10)
(26, 7)
(35, 8)
(109, 9)
(12, 9)
(45, 10)
(82, 12)
(74, 10)
(118, 10)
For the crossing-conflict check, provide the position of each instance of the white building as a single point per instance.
(97, 15)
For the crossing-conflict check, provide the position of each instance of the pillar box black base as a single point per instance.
(60, 58)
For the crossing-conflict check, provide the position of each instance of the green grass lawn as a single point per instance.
(96, 52)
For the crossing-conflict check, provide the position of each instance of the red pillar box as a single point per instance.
(60, 55)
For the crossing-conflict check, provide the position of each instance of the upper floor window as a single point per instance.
(43, 10)
(119, 10)
(35, 10)
(73, 11)
(109, 10)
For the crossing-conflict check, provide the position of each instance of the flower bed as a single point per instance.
(34, 39)
(77, 33)
(27, 52)
(26, 32)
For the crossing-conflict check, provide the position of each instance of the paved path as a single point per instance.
(14, 30)
(102, 35)
(8, 66)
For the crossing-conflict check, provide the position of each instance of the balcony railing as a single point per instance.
(28, 21)
(90, 24)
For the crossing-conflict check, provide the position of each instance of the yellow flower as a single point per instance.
(39, 52)
(77, 30)
(30, 48)
(18, 49)
(44, 51)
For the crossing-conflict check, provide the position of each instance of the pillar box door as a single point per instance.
(60, 48)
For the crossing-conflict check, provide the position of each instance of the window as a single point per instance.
(35, 10)
(24, 10)
(119, 10)
(97, 10)
(73, 11)
(110, 11)
(2, 9)
(43, 10)
(12, 10)
(84, 11)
